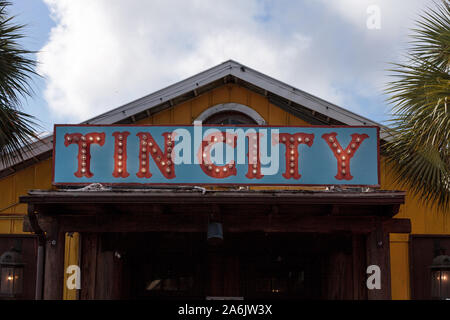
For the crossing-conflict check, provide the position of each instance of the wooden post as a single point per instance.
(109, 276)
(377, 248)
(89, 251)
(339, 284)
(359, 267)
(101, 273)
(231, 276)
(215, 270)
(54, 265)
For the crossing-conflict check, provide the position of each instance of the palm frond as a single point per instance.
(16, 133)
(16, 70)
(419, 148)
(424, 171)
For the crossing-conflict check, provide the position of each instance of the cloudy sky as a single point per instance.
(95, 55)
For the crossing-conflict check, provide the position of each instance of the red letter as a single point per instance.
(291, 142)
(343, 156)
(148, 147)
(204, 156)
(254, 165)
(120, 154)
(84, 150)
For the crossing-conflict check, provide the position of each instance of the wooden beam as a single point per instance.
(198, 222)
(26, 226)
(397, 226)
(385, 200)
(176, 219)
(245, 209)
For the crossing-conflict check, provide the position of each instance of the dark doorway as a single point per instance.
(246, 265)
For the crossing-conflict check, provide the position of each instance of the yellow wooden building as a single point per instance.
(229, 89)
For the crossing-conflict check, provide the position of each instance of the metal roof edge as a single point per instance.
(229, 67)
(163, 95)
(36, 148)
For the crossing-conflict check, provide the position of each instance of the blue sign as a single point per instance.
(215, 155)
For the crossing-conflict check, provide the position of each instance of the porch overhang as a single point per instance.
(189, 210)
(367, 217)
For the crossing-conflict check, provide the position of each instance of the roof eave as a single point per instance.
(221, 71)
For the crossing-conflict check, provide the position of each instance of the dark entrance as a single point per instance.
(246, 265)
(277, 243)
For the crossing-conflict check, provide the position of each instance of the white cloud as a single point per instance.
(104, 53)
(397, 13)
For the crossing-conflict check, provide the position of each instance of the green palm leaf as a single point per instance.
(16, 69)
(419, 142)
(16, 132)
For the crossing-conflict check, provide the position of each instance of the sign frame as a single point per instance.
(155, 184)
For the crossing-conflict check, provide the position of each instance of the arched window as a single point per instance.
(229, 117)
(230, 114)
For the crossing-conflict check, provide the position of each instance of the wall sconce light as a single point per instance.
(440, 278)
(11, 272)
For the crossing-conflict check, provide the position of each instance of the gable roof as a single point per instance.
(289, 98)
